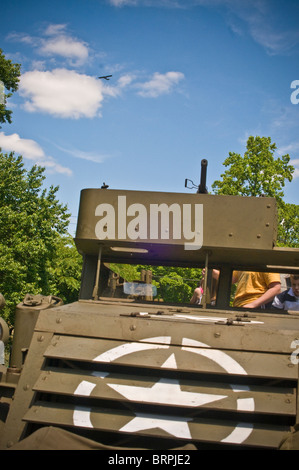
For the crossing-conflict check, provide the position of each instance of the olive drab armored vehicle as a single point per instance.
(121, 368)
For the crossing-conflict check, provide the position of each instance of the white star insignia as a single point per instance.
(165, 391)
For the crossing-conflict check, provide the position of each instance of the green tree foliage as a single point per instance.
(9, 79)
(35, 251)
(64, 270)
(288, 227)
(129, 272)
(174, 284)
(256, 173)
(259, 173)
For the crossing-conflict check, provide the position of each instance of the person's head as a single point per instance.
(295, 284)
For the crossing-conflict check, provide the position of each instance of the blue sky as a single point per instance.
(191, 79)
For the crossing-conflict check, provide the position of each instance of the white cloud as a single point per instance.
(295, 164)
(31, 150)
(155, 3)
(65, 46)
(260, 18)
(159, 84)
(56, 41)
(62, 93)
(65, 93)
(59, 43)
(125, 80)
(275, 42)
(21, 37)
(53, 29)
(292, 148)
(120, 3)
(89, 156)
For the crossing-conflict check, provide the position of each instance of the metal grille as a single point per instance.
(144, 392)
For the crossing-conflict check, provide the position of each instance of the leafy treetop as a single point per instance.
(256, 173)
(36, 253)
(259, 173)
(10, 77)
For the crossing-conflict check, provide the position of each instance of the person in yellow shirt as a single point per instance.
(255, 289)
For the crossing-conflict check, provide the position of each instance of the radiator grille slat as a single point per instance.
(149, 388)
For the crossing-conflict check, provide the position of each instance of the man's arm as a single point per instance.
(271, 292)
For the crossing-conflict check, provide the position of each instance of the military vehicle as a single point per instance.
(121, 369)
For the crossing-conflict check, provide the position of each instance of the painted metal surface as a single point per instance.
(121, 369)
(90, 376)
